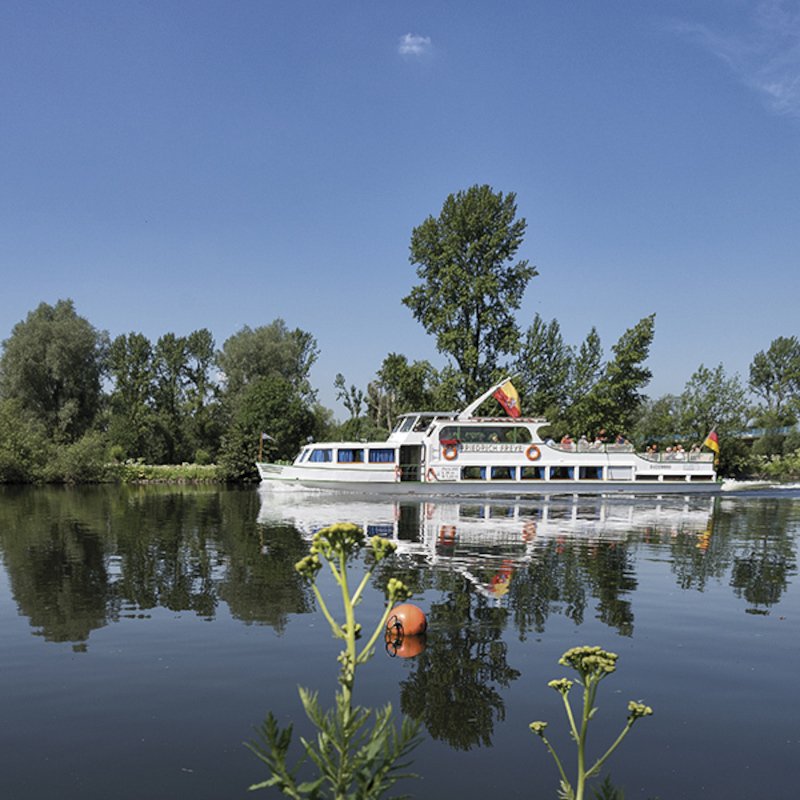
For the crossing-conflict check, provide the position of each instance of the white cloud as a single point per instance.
(766, 55)
(413, 44)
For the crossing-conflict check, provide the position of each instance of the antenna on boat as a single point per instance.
(467, 412)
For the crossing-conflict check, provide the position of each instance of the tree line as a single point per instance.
(72, 399)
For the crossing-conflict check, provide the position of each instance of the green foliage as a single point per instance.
(659, 421)
(470, 284)
(52, 364)
(24, 445)
(130, 362)
(592, 664)
(137, 472)
(577, 391)
(779, 468)
(400, 386)
(544, 368)
(269, 351)
(82, 461)
(775, 374)
(267, 405)
(357, 753)
(713, 401)
(352, 398)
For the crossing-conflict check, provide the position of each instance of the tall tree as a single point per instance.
(711, 400)
(610, 397)
(170, 362)
(270, 350)
(620, 390)
(586, 367)
(272, 406)
(52, 364)
(400, 386)
(775, 375)
(266, 390)
(204, 423)
(544, 368)
(471, 285)
(130, 362)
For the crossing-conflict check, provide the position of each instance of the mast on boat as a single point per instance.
(467, 412)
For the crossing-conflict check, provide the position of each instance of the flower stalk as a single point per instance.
(592, 664)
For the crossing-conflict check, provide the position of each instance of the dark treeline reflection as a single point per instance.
(453, 687)
(80, 558)
(751, 545)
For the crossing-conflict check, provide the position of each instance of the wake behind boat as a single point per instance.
(457, 453)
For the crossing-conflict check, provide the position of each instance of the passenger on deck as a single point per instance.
(566, 442)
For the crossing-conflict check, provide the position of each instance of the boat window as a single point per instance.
(321, 455)
(562, 473)
(472, 512)
(473, 473)
(347, 455)
(504, 473)
(421, 423)
(408, 424)
(532, 473)
(486, 434)
(385, 529)
(381, 455)
(590, 473)
(501, 512)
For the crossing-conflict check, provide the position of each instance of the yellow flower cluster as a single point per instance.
(590, 661)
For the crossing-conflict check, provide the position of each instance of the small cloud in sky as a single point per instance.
(412, 44)
(765, 55)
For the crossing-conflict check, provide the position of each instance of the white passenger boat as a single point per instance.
(457, 453)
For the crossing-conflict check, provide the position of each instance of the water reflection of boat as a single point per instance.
(487, 539)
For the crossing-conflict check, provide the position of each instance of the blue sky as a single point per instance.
(177, 165)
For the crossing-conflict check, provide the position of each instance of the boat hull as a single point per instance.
(396, 488)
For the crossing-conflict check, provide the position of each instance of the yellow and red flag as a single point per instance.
(508, 397)
(712, 442)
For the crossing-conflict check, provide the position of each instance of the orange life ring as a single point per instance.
(533, 453)
(447, 535)
(450, 451)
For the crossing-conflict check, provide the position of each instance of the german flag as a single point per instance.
(712, 442)
(508, 397)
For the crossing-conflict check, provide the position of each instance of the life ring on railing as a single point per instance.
(533, 453)
(430, 475)
(447, 535)
(450, 451)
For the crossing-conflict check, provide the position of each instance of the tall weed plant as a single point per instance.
(357, 753)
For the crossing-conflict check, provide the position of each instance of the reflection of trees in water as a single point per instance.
(753, 540)
(78, 558)
(453, 687)
(563, 574)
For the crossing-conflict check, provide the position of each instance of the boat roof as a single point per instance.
(452, 415)
(429, 414)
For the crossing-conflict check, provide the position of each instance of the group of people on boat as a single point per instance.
(674, 452)
(584, 443)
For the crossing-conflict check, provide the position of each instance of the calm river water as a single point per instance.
(145, 633)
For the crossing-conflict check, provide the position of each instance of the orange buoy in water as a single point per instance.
(407, 619)
(399, 646)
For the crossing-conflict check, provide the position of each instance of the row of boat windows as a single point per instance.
(473, 473)
(350, 455)
(486, 434)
